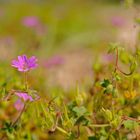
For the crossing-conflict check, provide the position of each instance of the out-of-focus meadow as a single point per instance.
(66, 36)
(70, 39)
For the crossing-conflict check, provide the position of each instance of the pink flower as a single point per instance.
(24, 64)
(118, 21)
(19, 105)
(24, 96)
(30, 21)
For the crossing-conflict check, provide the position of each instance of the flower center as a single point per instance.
(25, 66)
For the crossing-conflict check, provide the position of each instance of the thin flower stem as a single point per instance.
(62, 130)
(117, 67)
(25, 80)
(116, 63)
(19, 116)
(99, 125)
(126, 74)
(130, 118)
(127, 118)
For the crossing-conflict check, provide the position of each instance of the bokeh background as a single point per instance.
(67, 36)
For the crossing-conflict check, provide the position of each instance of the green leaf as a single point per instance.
(107, 114)
(109, 88)
(105, 83)
(8, 127)
(80, 111)
(71, 105)
(129, 124)
(112, 47)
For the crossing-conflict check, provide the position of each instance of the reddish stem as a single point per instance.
(117, 67)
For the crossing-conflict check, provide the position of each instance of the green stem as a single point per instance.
(99, 125)
(25, 80)
(62, 130)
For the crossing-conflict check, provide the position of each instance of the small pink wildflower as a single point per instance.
(30, 21)
(118, 21)
(18, 105)
(24, 64)
(24, 96)
(34, 23)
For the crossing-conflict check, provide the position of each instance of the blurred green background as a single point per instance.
(67, 36)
